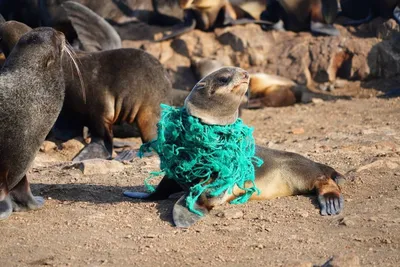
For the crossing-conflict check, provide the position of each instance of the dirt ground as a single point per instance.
(87, 221)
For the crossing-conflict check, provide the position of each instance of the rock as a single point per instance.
(381, 163)
(347, 222)
(231, 214)
(317, 100)
(297, 130)
(75, 144)
(48, 146)
(99, 166)
(345, 260)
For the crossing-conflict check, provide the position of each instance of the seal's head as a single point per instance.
(41, 47)
(215, 99)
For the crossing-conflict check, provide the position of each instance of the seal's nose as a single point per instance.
(245, 75)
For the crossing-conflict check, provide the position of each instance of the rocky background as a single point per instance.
(363, 57)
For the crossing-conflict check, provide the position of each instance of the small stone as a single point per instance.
(73, 144)
(99, 166)
(297, 130)
(317, 100)
(232, 214)
(346, 222)
(303, 214)
(48, 146)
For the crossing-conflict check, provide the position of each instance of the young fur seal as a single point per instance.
(31, 96)
(215, 100)
(117, 90)
(302, 15)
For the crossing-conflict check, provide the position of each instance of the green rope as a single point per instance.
(204, 157)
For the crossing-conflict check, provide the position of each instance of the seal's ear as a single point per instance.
(183, 217)
(199, 86)
(49, 61)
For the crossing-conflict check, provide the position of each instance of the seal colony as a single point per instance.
(31, 96)
(214, 101)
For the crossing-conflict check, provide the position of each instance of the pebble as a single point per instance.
(347, 222)
(47, 146)
(298, 131)
(231, 214)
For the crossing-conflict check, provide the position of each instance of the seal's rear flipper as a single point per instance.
(94, 150)
(184, 218)
(164, 189)
(322, 28)
(22, 198)
(94, 32)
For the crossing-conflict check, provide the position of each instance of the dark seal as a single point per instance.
(121, 85)
(31, 97)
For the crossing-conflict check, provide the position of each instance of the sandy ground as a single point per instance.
(87, 221)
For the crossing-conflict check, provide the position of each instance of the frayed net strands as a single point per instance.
(204, 158)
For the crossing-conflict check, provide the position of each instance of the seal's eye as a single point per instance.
(223, 79)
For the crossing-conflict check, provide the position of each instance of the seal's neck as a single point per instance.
(209, 118)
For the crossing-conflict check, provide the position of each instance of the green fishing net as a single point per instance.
(202, 157)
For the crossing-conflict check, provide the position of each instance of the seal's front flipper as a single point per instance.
(22, 198)
(322, 28)
(94, 150)
(330, 203)
(164, 189)
(94, 32)
(330, 198)
(184, 218)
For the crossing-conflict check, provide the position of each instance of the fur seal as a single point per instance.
(31, 96)
(316, 16)
(116, 91)
(215, 100)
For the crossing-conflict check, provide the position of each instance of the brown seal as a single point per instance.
(121, 85)
(31, 96)
(215, 100)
